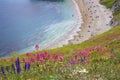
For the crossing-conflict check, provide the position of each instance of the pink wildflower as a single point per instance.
(4, 60)
(41, 61)
(28, 54)
(46, 57)
(24, 59)
(32, 60)
(85, 54)
(99, 49)
(112, 55)
(61, 58)
(37, 47)
(57, 57)
(75, 55)
(68, 64)
(75, 61)
(38, 56)
(107, 42)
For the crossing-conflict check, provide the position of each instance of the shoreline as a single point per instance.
(64, 39)
(95, 20)
(81, 30)
(94, 15)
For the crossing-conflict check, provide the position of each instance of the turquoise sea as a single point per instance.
(25, 23)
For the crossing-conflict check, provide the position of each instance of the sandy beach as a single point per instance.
(96, 20)
(92, 19)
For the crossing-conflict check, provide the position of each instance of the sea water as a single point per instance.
(25, 23)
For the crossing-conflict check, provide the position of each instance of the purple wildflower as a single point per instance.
(27, 66)
(13, 68)
(2, 70)
(8, 68)
(17, 62)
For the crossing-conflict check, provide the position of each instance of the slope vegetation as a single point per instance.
(92, 59)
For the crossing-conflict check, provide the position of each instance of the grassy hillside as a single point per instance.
(97, 58)
(109, 36)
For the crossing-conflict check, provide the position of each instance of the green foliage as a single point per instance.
(116, 14)
(103, 65)
(92, 42)
(107, 3)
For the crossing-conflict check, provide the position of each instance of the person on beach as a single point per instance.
(72, 15)
(89, 26)
(88, 30)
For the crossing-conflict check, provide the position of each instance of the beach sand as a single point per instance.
(96, 20)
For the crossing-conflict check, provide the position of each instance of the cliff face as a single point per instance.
(114, 5)
(116, 13)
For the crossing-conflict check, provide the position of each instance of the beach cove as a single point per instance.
(90, 18)
(25, 23)
(95, 20)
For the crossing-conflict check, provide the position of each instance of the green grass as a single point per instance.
(107, 3)
(102, 66)
(96, 40)
(89, 43)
